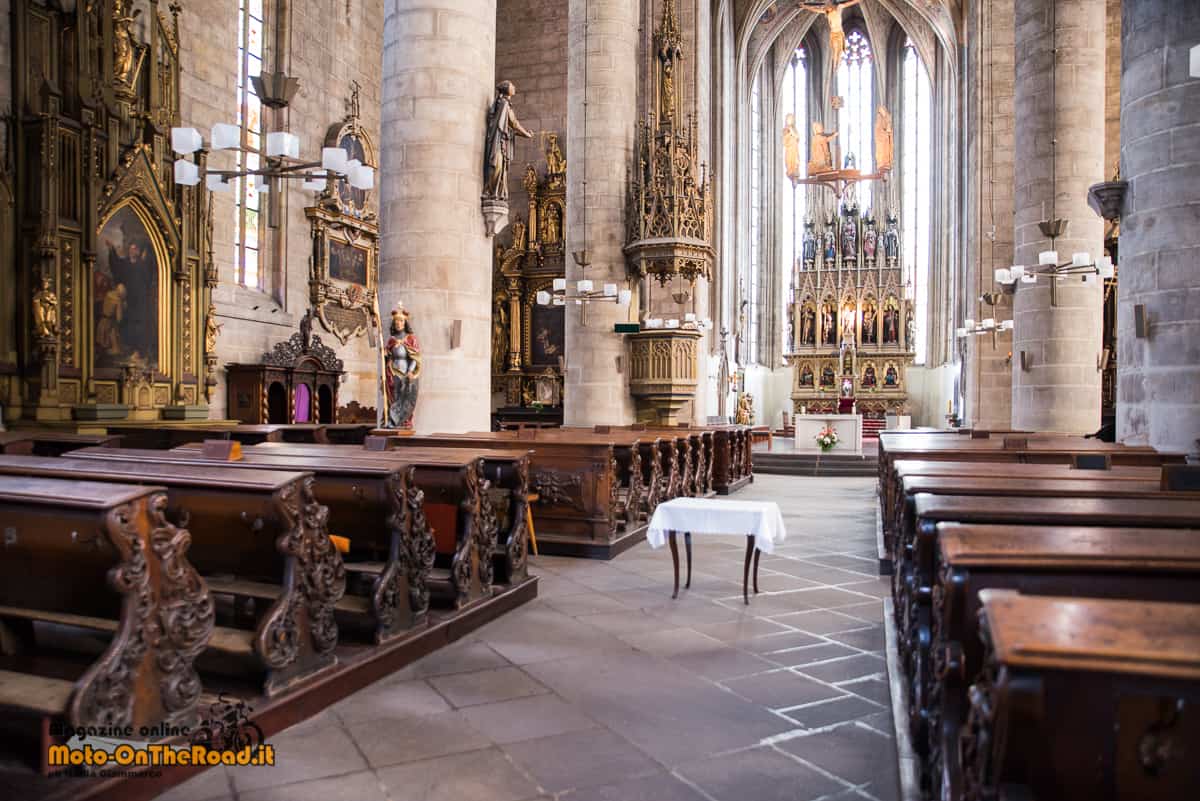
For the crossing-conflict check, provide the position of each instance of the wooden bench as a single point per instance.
(1100, 708)
(1140, 564)
(52, 443)
(164, 437)
(694, 449)
(578, 481)
(258, 536)
(504, 471)
(100, 558)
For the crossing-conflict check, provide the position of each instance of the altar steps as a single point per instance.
(794, 464)
(872, 426)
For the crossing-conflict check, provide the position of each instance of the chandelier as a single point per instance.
(585, 289)
(1081, 264)
(282, 152)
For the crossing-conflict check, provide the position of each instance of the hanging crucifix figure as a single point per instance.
(832, 11)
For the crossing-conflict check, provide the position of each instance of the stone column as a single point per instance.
(1158, 375)
(438, 80)
(602, 73)
(1059, 127)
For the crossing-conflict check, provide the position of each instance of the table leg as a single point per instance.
(746, 569)
(674, 562)
(757, 553)
(687, 544)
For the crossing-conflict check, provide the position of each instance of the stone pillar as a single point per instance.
(602, 74)
(1158, 375)
(438, 81)
(1059, 127)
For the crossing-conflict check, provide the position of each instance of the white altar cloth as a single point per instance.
(759, 519)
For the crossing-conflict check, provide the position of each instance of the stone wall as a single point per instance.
(987, 377)
(1112, 87)
(331, 45)
(531, 51)
(1158, 380)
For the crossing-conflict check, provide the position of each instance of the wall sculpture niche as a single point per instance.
(108, 268)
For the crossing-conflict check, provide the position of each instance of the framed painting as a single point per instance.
(547, 336)
(348, 262)
(125, 292)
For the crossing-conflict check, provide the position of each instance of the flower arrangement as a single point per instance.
(826, 439)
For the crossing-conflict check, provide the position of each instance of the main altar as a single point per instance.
(850, 323)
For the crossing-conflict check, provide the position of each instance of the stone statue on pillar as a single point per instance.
(502, 126)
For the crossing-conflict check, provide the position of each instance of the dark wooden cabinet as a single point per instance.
(296, 382)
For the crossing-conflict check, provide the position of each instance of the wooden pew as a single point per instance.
(52, 443)
(581, 509)
(507, 471)
(733, 459)
(16, 442)
(345, 485)
(164, 437)
(1098, 710)
(102, 558)
(915, 576)
(1140, 564)
(262, 528)
(695, 455)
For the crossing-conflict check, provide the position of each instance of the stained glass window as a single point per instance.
(249, 203)
(915, 181)
(856, 117)
(794, 102)
(754, 279)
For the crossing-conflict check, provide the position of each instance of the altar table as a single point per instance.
(847, 426)
(760, 521)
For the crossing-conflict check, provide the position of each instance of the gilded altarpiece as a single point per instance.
(528, 339)
(109, 263)
(850, 321)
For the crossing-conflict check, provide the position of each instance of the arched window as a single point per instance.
(753, 281)
(916, 186)
(793, 101)
(248, 201)
(856, 117)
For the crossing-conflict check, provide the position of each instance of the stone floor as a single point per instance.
(604, 689)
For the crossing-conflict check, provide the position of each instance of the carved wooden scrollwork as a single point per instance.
(554, 487)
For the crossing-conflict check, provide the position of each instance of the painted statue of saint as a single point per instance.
(45, 311)
(883, 139)
(402, 357)
(891, 240)
(869, 242)
(820, 158)
(830, 249)
(809, 244)
(808, 323)
(502, 126)
(849, 240)
(791, 147)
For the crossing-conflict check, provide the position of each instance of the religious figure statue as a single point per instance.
(552, 225)
(883, 139)
(669, 52)
(849, 240)
(868, 323)
(806, 376)
(868, 380)
(745, 410)
(891, 324)
(402, 355)
(791, 147)
(499, 333)
(518, 231)
(124, 49)
(909, 328)
(211, 330)
(869, 239)
(306, 330)
(45, 311)
(891, 378)
(830, 249)
(820, 158)
(808, 246)
(556, 164)
(848, 316)
(891, 239)
(808, 324)
(502, 126)
(837, 34)
(828, 334)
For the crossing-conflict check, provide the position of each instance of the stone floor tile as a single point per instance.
(759, 774)
(743, 629)
(875, 689)
(721, 663)
(810, 654)
(854, 753)
(588, 603)
(781, 641)
(780, 689)
(476, 776)
(867, 639)
(829, 598)
(361, 786)
(851, 667)
(526, 718)
(828, 713)
(672, 642)
(659, 787)
(821, 621)
(580, 759)
(302, 757)
(212, 785)
(390, 742)
(457, 657)
(486, 686)
(390, 699)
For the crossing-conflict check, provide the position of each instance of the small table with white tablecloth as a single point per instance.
(760, 521)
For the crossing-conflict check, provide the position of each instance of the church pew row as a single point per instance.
(52, 443)
(1022, 448)
(98, 557)
(589, 499)
(694, 451)
(505, 474)
(368, 503)
(163, 437)
(1101, 709)
(1134, 564)
(255, 535)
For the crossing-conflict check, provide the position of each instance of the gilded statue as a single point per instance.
(45, 311)
(402, 356)
(883, 139)
(500, 333)
(502, 126)
(791, 147)
(555, 162)
(669, 52)
(745, 410)
(518, 231)
(820, 157)
(552, 225)
(124, 50)
(211, 330)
